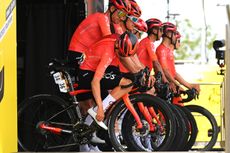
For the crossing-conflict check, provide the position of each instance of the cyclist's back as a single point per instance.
(145, 52)
(91, 30)
(102, 51)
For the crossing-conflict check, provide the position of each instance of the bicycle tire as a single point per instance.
(193, 130)
(147, 100)
(182, 131)
(39, 108)
(212, 121)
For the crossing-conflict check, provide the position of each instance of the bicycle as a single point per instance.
(55, 124)
(192, 112)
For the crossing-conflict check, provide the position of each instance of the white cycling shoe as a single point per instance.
(95, 139)
(93, 114)
(89, 148)
(94, 149)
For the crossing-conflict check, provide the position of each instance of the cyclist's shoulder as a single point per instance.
(162, 47)
(106, 42)
(145, 42)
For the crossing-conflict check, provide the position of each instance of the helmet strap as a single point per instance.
(125, 21)
(111, 14)
(155, 34)
(170, 38)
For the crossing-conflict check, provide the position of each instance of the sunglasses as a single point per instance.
(121, 14)
(133, 19)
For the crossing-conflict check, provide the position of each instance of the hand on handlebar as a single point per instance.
(197, 87)
(173, 87)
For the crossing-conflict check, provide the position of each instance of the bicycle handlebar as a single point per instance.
(191, 94)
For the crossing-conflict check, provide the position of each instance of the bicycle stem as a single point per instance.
(132, 110)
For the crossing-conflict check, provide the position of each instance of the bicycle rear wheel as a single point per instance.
(44, 109)
(162, 136)
(208, 128)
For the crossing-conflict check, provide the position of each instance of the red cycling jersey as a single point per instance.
(90, 30)
(100, 56)
(146, 53)
(166, 58)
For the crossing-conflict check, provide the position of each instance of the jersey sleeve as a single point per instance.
(104, 25)
(151, 53)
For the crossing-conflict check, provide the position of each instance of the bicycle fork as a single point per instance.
(132, 110)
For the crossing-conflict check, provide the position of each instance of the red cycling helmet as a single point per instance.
(141, 25)
(168, 26)
(135, 9)
(127, 44)
(153, 22)
(123, 5)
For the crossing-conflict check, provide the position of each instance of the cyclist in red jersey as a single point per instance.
(99, 59)
(178, 77)
(96, 26)
(165, 54)
(146, 49)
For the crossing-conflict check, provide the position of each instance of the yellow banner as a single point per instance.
(8, 84)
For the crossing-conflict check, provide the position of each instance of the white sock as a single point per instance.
(106, 102)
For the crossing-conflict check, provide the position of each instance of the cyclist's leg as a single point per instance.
(85, 78)
(111, 81)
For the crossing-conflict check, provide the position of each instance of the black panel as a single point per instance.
(44, 29)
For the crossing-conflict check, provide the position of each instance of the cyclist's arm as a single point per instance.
(158, 67)
(129, 63)
(169, 76)
(182, 81)
(185, 83)
(95, 84)
(104, 25)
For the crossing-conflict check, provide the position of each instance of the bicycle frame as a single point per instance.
(148, 113)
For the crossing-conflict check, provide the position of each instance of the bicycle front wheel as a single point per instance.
(47, 109)
(126, 137)
(207, 127)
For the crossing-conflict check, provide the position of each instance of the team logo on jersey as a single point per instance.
(110, 75)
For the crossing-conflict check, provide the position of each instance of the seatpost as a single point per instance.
(71, 88)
